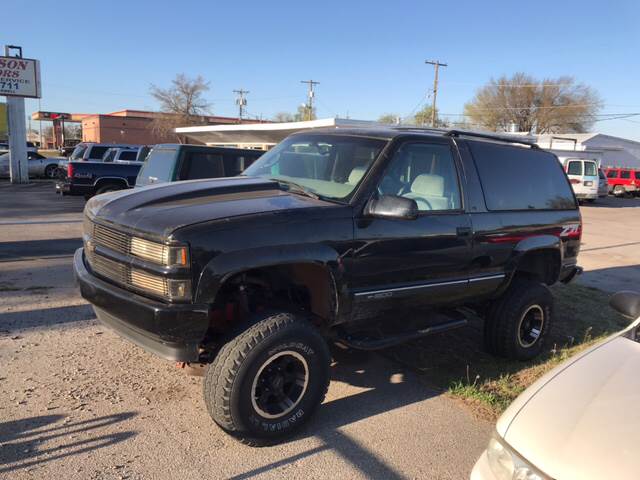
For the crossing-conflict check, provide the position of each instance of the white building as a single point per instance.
(609, 150)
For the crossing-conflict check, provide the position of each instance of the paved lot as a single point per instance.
(76, 401)
(610, 250)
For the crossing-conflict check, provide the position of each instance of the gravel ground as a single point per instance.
(78, 402)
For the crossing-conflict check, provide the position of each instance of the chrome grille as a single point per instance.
(112, 239)
(124, 275)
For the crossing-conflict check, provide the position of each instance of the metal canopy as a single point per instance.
(261, 134)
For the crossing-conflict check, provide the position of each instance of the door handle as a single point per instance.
(463, 231)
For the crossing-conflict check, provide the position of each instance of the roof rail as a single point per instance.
(489, 136)
(426, 129)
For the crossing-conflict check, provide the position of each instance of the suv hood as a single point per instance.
(158, 210)
(583, 423)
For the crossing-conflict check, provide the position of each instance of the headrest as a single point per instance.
(428, 185)
(356, 175)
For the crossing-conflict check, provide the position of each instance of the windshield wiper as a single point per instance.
(296, 188)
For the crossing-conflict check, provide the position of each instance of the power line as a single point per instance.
(310, 96)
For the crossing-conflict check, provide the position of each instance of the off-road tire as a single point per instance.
(229, 380)
(109, 187)
(502, 327)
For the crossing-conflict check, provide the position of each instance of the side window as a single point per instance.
(203, 165)
(518, 178)
(425, 173)
(574, 168)
(625, 174)
(612, 174)
(97, 153)
(234, 164)
(128, 155)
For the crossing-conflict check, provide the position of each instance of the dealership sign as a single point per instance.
(19, 77)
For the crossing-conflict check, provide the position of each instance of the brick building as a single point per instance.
(136, 127)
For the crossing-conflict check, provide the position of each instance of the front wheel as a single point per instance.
(266, 382)
(517, 324)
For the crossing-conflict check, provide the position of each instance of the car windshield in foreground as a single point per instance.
(327, 166)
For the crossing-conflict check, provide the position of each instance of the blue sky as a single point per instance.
(99, 57)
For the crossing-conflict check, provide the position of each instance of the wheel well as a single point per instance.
(544, 265)
(111, 181)
(305, 286)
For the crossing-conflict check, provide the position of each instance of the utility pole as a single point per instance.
(436, 64)
(241, 101)
(311, 94)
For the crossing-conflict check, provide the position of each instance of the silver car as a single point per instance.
(39, 165)
(578, 422)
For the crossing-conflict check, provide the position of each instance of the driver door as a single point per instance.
(414, 262)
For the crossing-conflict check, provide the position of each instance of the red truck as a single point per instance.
(623, 180)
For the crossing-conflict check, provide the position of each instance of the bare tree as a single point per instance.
(534, 106)
(182, 104)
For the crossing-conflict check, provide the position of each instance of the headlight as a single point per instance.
(159, 253)
(508, 465)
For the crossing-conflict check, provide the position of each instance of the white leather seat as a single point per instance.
(356, 175)
(428, 192)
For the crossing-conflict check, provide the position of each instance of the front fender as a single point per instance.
(225, 265)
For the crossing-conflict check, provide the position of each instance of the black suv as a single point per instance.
(331, 235)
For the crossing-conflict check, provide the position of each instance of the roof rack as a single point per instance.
(489, 136)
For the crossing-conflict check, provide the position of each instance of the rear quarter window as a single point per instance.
(158, 167)
(612, 174)
(517, 178)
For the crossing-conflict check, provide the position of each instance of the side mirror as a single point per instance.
(627, 303)
(392, 206)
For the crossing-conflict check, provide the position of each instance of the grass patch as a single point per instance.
(455, 361)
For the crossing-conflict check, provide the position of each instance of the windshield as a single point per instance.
(330, 166)
(78, 152)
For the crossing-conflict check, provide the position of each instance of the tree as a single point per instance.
(534, 106)
(389, 118)
(423, 117)
(303, 114)
(182, 104)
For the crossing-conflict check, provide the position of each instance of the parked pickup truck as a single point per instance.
(363, 237)
(94, 178)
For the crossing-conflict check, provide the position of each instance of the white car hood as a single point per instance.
(583, 419)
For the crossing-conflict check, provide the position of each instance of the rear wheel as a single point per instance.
(618, 191)
(51, 171)
(517, 324)
(266, 382)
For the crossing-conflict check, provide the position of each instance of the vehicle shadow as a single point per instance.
(388, 385)
(613, 202)
(32, 441)
(44, 318)
(10, 251)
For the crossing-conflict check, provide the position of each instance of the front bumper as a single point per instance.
(481, 470)
(171, 331)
